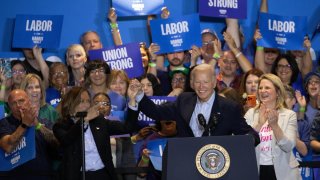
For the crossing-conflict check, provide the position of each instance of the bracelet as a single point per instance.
(114, 25)
(302, 109)
(38, 126)
(238, 54)
(260, 48)
(2, 87)
(152, 64)
(216, 55)
(145, 159)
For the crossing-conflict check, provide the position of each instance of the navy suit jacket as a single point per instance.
(228, 114)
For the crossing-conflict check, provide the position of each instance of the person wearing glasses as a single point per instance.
(98, 158)
(179, 81)
(286, 68)
(210, 50)
(18, 71)
(58, 80)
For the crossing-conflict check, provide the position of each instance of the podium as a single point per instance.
(212, 157)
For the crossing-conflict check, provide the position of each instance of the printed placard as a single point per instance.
(41, 30)
(223, 8)
(176, 34)
(283, 32)
(24, 152)
(137, 7)
(144, 120)
(156, 148)
(125, 57)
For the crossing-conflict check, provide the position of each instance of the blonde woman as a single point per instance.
(76, 58)
(277, 128)
(35, 90)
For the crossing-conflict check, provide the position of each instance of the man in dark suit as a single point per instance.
(199, 113)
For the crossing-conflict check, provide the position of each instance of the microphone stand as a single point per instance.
(82, 115)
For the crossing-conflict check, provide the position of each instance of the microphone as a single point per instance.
(81, 114)
(202, 121)
(213, 122)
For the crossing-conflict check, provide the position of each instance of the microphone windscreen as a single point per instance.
(202, 120)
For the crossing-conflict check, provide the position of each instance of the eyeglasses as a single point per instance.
(207, 43)
(282, 66)
(17, 72)
(315, 82)
(97, 71)
(103, 103)
(60, 73)
(176, 80)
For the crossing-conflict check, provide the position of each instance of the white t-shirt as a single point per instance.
(265, 147)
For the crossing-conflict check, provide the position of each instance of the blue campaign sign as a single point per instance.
(24, 152)
(282, 32)
(156, 148)
(176, 34)
(144, 120)
(137, 8)
(41, 30)
(223, 8)
(125, 57)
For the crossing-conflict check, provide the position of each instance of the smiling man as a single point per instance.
(222, 116)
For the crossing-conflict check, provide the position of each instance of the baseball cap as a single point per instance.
(182, 70)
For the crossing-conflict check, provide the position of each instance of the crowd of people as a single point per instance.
(274, 98)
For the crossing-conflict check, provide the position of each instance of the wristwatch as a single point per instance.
(23, 125)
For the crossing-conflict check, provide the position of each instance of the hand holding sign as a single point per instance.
(153, 49)
(307, 43)
(112, 15)
(229, 40)
(165, 13)
(37, 52)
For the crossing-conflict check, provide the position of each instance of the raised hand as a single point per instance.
(300, 99)
(229, 40)
(37, 53)
(257, 35)
(153, 48)
(307, 43)
(165, 13)
(112, 15)
(217, 46)
(29, 116)
(93, 112)
(134, 89)
(3, 77)
(272, 117)
(262, 114)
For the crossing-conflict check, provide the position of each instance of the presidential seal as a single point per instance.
(212, 161)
